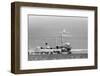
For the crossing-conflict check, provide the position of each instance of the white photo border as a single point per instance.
(25, 64)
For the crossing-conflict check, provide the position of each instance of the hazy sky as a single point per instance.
(47, 29)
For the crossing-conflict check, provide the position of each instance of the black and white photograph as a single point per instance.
(52, 37)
